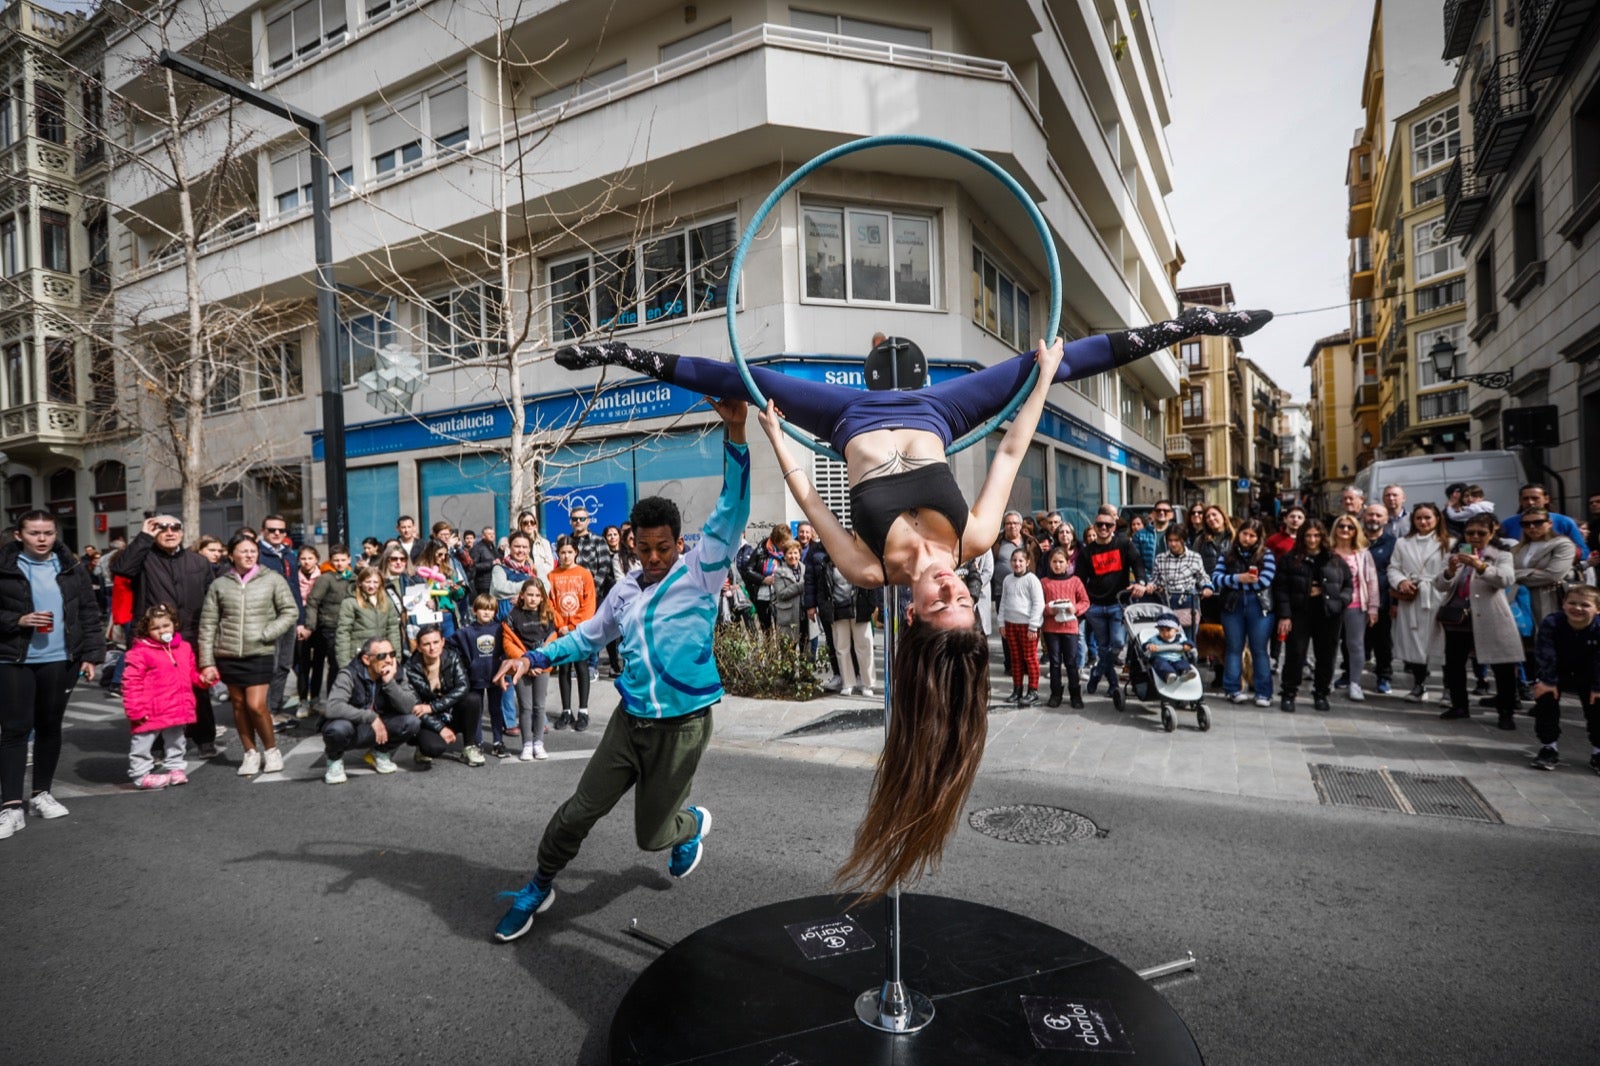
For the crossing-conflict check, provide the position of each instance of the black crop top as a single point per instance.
(876, 502)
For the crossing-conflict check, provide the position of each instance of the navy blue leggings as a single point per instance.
(838, 413)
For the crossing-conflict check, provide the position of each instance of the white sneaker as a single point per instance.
(1356, 693)
(1239, 697)
(273, 762)
(251, 764)
(472, 755)
(1262, 701)
(11, 820)
(538, 750)
(865, 691)
(527, 753)
(334, 774)
(45, 805)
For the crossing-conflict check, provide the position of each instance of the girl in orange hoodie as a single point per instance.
(572, 601)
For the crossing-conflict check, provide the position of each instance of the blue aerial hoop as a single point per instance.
(882, 141)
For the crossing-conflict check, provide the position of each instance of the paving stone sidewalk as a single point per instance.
(1249, 751)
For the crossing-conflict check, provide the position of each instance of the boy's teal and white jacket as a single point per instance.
(666, 629)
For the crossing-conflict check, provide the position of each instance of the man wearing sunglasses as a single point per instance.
(161, 571)
(1109, 566)
(370, 706)
(1537, 498)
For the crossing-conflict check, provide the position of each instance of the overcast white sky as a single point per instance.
(1266, 96)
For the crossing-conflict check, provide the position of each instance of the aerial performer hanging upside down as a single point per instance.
(913, 527)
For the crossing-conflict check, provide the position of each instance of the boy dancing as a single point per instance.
(664, 614)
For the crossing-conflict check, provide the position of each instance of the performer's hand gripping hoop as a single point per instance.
(883, 141)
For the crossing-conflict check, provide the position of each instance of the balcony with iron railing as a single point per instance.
(1363, 396)
(1394, 264)
(1548, 31)
(1395, 425)
(1502, 111)
(1448, 403)
(1362, 322)
(1440, 295)
(89, 151)
(1426, 190)
(1460, 19)
(1466, 195)
(95, 279)
(1361, 268)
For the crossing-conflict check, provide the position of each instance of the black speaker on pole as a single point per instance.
(1530, 427)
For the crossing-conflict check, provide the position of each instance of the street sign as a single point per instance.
(1243, 484)
(1531, 427)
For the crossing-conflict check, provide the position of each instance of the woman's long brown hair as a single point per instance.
(938, 723)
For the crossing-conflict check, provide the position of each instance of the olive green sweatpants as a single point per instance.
(655, 756)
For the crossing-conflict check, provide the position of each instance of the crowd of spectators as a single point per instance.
(406, 642)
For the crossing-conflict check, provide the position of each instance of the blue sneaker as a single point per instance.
(526, 902)
(1384, 687)
(686, 856)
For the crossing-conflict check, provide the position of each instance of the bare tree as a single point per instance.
(183, 358)
(482, 309)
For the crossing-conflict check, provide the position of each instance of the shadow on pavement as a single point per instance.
(452, 887)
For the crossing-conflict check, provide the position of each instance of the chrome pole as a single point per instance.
(893, 1008)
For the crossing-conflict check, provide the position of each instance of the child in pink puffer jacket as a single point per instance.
(158, 682)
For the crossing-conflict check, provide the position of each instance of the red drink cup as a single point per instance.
(49, 626)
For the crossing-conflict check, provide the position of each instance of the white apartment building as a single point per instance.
(599, 186)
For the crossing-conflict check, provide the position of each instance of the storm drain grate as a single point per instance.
(1397, 790)
(1445, 796)
(1029, 823)
(1344, 787)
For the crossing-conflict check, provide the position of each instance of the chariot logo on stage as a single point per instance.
(1075, 1024)
(830, 937)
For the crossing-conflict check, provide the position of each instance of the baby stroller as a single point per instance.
(1177, 694)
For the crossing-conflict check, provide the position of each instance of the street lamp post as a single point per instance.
(333, 457)
(1447, 364)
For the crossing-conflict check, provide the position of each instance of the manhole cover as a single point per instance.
(1028, 823)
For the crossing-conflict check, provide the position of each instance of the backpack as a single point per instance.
(839, 589)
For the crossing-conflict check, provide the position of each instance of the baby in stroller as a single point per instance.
(1169, 652)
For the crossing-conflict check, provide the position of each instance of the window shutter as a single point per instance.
(447, 111)
(393, 129)
(307, 28)
(280, 40)
(286, 173)
(333, 17)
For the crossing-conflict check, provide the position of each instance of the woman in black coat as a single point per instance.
(438, 676)
(1309, 594)
(51, 633)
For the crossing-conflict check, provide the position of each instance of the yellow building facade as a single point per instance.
(1420, 287)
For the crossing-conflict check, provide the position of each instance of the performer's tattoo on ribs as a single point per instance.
(898, 463)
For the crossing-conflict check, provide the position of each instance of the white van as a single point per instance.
(1425, 477)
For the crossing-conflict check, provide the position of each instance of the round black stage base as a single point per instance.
(776, 986)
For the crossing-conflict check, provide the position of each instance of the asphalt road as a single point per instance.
(289, 921)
